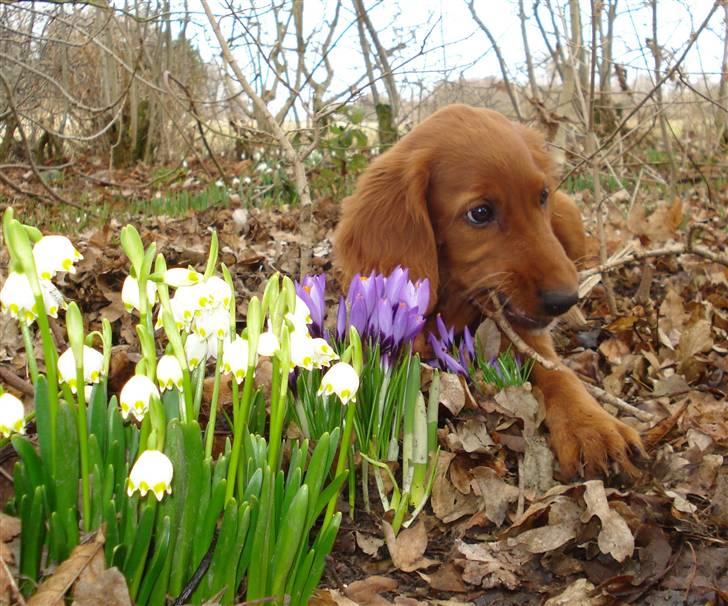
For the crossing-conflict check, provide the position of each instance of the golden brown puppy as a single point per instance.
(467, 200)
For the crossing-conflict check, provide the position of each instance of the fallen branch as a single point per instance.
(10, 378)
(675, 249)
(517, 341)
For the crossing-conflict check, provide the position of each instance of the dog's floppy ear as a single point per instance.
(386, 223)
(565, 216)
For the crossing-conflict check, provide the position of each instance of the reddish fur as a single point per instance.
(408, 209)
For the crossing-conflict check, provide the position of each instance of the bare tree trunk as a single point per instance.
(527, 51)
(722, 113)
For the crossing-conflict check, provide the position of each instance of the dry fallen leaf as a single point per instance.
(368, 544)
(492, 564)
(408, 547)
(452, 394)
(495, 494)
(615, 537)
(579, 593)
(445, 578)
(519, 402)
(367, 590)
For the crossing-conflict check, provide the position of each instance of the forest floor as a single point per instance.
(496, 531)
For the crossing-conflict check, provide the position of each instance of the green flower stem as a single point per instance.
(210, 429)
(239, 428)
(50, 356)
(29, 353)
(188, 412)
(277, 414)
(343, 457)
(83, 446)
(199, 385)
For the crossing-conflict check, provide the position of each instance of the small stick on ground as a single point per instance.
(608, 398)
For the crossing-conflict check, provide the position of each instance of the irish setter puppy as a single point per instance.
(467, 200)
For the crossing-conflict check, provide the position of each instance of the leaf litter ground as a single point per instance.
(502, 527)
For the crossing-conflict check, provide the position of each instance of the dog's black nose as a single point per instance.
(557, 302)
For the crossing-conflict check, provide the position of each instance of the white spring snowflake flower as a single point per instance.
(135, 396)
(17, 300)
(152, 471)
(323, 354)
(12, 415)
(53, 254)
(130, 293)
(195, 350)
(169, 373)
(178, 277)
(213, 322)
(268, 343)
(219, 291)
(302, 350)
(342, 380)
(235, 355)
(93, 363)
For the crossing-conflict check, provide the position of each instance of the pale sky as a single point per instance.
(454, 45)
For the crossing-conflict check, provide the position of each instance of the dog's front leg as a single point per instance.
(583, 435)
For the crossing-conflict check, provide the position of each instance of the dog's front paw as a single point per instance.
(585, 437)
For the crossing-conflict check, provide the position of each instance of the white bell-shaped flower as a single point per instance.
(268, 343)
(12, 415)
(213, 322)
(130, 293)
(301, 350)
(178, 277)
(219, 291)
(302, 312)
(53, 254)
(16, 298)
(52, 298)
(93, 363)
(235, 354)
(323, 354)
(152, 471)
(135, 396)
(342, 380)
(169, 373)
(195, 350)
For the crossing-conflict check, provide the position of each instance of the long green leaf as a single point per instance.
(156, 565)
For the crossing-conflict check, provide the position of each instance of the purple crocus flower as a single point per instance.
(312, 290)
(341, 320)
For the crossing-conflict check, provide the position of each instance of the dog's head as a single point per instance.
(467, 200)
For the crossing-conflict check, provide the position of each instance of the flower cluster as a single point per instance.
(459, 356)
(389, 310)
(52, 255)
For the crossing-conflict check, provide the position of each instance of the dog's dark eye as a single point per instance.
(544, 196)
(480, 215)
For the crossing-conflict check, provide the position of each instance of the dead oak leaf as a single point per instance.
(407, 549)
(494, 493)
(615, 537)
(493, 564)
(445, 578)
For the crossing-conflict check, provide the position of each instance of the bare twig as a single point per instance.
(674, 249)
(508, 331)
(10, 378)
(669, 74)
(29, 152)
(607, 398)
